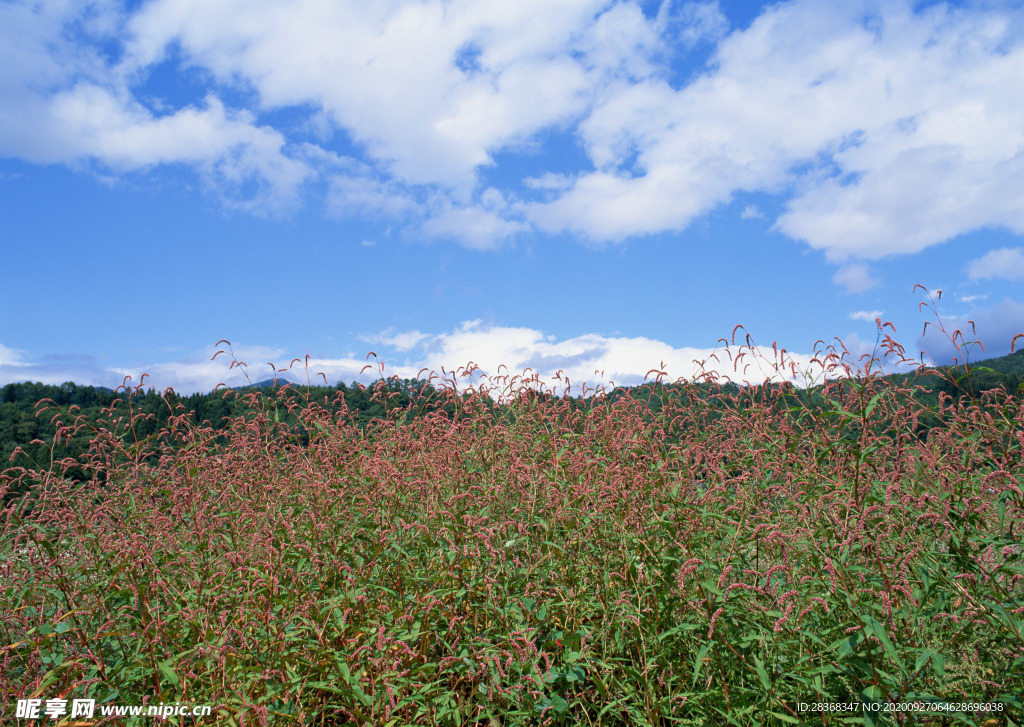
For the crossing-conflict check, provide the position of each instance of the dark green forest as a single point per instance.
(30, 413)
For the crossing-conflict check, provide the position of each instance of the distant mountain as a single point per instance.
(280, 381)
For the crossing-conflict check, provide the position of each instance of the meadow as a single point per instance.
(727, 557)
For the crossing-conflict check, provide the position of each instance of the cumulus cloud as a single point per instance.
(388, 73)
(84, 370)
(866, 315)
(1005, 263)
(476, 352)
(884, 129)
(591, 360)
(893, 134)
(61, 100)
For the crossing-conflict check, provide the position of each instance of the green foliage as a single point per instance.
(682, 554)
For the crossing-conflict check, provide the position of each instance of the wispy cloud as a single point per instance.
(1005, 263)
(549, 181)
(194, 372)
(866, 315)
(701, 22)
(11, 357)
(855, 277)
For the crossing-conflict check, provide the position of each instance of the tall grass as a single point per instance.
(718, 562)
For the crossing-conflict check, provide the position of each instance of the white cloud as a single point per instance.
(228, 147)
(497, 351)
(365, 196)
(594, 359)
(196, 372)
(400, 341)
(889, 129)
(971, 298)
(866, 315)
(549, 181)
(1005, 263)
(701, 21)
(388, 72)
(751, 212)
(202, 372)
(895, 135)
(481, 226)
(475, 227)
(11, 356)
(61, 101)
(855, 277)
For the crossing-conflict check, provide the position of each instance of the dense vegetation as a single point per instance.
(692, 553)
(30, 429)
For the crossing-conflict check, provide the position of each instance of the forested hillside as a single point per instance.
(29, 427)
(31, 412)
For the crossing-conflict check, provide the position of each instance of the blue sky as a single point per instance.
(589, 186)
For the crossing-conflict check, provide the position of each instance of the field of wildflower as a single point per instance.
(712, 555)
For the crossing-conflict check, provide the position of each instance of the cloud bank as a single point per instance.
(502, 357)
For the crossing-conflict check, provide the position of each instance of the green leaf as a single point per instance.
(841, 412)
(880, 633)
(871, 404)
(48, 547)
(700, 662)
(676, 629)
(168, 672)
(343, 668)
(712, 586)
(762, 674)
(872, 693)
(848, 645)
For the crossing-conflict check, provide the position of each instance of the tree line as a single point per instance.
(31, 412)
